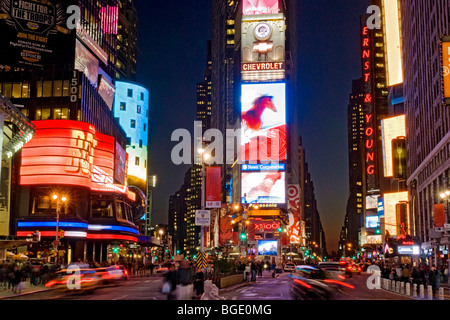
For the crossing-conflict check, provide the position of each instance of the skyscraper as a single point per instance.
(428, 120)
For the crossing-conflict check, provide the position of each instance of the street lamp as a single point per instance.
(58, 200)
(205, 157)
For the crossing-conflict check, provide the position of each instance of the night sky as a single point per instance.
(172, 58)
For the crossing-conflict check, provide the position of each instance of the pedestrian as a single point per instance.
(247, 272)
(432, 279)
(253, 270)
(171, 281)
(260, 269)
(152, 267)
(405, 274)
(199, 284)
(273, 267)
(185, 278)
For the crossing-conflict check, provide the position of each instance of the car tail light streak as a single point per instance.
(304, 284)
(340, 283)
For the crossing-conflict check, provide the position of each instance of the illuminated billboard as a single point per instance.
(263, 187)
(263, 122)
(267, 247)
(391, 129)
(131, 107)
(445, 57)
(86, 63)
(256, 7)
(109, 19)
(394, 216)
(33, 33)
(263, 48)
(392, 42)
(69, 153)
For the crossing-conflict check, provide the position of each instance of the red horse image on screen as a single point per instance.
(263, 124)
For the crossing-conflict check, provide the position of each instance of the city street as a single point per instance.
(265, 288)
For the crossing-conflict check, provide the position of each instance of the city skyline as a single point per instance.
(340, 55)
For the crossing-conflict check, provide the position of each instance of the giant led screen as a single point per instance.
(267, 247)
(263, 122)
(263, 187)
(254, 7)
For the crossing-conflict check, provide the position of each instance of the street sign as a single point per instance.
(203, 218)
(201, 260)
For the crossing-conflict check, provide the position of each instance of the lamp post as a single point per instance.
(205, 157)
(445, 196)
(58, 199)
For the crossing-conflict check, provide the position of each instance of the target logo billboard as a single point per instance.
(293, 193)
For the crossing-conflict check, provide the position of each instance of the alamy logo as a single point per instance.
(374, 281)
(73, 281)
(374, 21)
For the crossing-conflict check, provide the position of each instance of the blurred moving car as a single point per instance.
(112, 274)
(289, 267)
(314, 283)
(354, 268)
(165, 267)
(306, 284)
(68, 280)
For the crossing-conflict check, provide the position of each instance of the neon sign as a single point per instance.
(368, 100)
(267, 225)
(70, 153)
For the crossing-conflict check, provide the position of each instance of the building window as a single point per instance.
(123, 106)
(140, 144)
(136, 161)
(133, 123)
(142, 96)
(138, 110)
(130, 93)
(101, 206)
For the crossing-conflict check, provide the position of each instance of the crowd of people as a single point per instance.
(421, 275)
(14, 273)
(185, 282)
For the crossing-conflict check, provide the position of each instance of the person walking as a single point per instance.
(247, 272)
(199, 284)
(185, 278)
(253, 270)
(171, 280)
(260, 269)
(405, 274)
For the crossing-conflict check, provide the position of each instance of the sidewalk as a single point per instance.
(29, 289)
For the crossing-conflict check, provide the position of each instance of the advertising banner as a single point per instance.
(392, 214)
(445, 45)
(263, 126)
(33, 33)
(225, 227)
(439, 215)
(293, 193)
(263, 48)
(264, 187)
(86, 63)
(213, 187)
(391, 129)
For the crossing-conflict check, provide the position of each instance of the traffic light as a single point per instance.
(378, 231)
(61, 233)
(280, 229)
(116, 250)
(243, 236)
